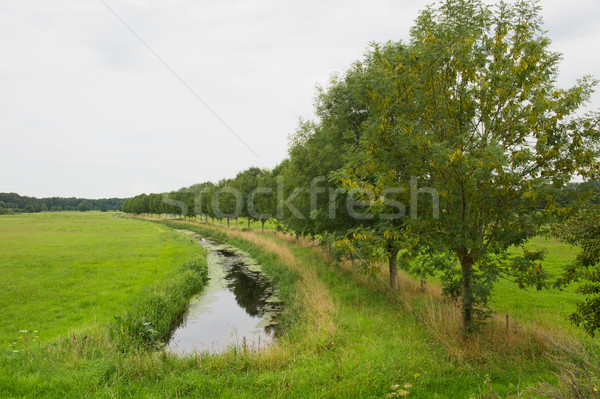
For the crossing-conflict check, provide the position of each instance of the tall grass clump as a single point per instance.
(578, 369)
(151, 318)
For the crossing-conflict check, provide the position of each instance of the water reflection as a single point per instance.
(237, 307)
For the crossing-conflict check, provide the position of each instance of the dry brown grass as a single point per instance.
(312, 292)
(443, 319)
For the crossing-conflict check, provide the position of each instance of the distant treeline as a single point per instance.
(15, 203)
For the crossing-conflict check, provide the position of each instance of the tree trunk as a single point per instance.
(263, 225)
(248, 224)
(393, 257)
(227, 222)
(466, 264)
(236, 223)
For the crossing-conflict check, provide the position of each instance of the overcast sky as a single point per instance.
(87, 110)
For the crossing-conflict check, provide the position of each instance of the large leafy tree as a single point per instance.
(469, 109)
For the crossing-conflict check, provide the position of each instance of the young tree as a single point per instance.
(245, 182)
(84, 206)
(140, 204)
(226, 201)
(262, 200)
(155, 204)
(203, 198)
(318, 150)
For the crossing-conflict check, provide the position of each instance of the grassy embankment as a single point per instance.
(344, 336)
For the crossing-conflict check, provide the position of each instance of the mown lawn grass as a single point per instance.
(69, 270)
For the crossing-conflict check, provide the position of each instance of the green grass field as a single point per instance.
(344, 335)
(549, 306)
(70, 270)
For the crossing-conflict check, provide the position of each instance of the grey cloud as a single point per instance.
(75, 84)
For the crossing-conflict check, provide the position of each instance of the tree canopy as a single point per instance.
(469, 109)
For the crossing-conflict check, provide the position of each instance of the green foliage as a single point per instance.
(203, 194)
(317, 151)
(84, 206)
(455, 142)
(470, 109)
(245, 182)
(583, 229)
(17, 203)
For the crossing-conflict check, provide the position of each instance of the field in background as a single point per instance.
(549, 307)
(69, 270)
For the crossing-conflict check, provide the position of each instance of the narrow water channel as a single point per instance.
(238, 306)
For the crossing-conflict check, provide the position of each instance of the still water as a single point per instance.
(238, 306)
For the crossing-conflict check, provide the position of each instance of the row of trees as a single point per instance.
(465, 117)
(437, 155)
(251, 194)
(15, 203)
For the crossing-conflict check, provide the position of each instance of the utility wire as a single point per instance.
(178, 77)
